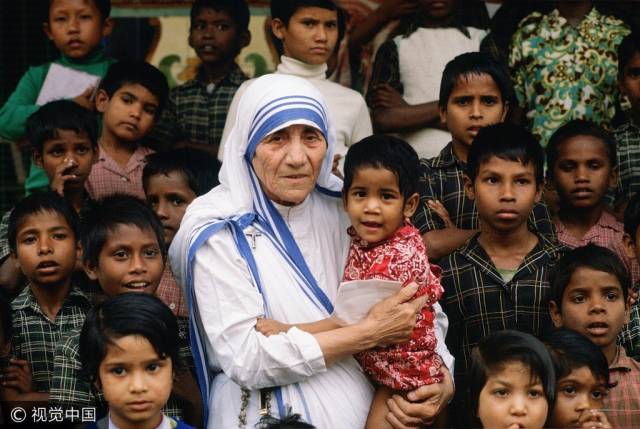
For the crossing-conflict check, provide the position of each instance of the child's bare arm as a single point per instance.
(272, 327)
(442, 242)
(17, 383)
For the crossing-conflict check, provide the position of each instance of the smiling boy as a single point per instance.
(306, 33)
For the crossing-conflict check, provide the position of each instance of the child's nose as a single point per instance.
(138, 383)
(138, 263)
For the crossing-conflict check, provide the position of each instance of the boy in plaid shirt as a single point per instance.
(590, 294)
(474, 92)
(43, 236)
(499, 278)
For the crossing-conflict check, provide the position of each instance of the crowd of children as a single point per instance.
(519, 167)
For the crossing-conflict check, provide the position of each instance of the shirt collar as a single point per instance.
(295, 67)
(622, 361)
(447, 158)
(235, 76)
(26, 299)
(606, 220)
(165, 423)
(96, 56)
(554, 18)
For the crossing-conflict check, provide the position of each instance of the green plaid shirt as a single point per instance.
(36, 336)
(196, 114)
(478, 301)
(5, 250)
(628, 150)
(442, 179)
(69, 389)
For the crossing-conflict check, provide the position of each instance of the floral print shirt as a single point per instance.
(402, 257)
(563, 72)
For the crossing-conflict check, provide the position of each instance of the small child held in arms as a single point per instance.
(590, 294)
(582, 381)
(131, 98)
(512, 382)
(124, 251)
(129, 349)
(172, 180)
(76, 28)
(63, 138)
(581, 160)
(380, 196)
(197, 110)
(44, 240)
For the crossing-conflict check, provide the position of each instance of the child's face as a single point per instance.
(583, 172)
(135, 382)
(376, 205)
(76, 27)
(311, 35)
(46, 249)
(593, 304)
(69, 155)
(215, 37)
(511, 399)
(169, 195)
(474, 103)
(576, 394)
(630, 81)
(129, 261)
(130, 113)
(505, 192)
(437, 9)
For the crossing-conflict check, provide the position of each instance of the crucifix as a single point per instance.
(253, 235)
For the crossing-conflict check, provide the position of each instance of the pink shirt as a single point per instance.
(170, 293)
(607, 232)
(622, 402)
(108, 177)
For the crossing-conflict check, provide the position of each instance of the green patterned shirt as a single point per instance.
(563, 72)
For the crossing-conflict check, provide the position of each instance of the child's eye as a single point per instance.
(523, 181)
(151, 253)
(491, 180)
(387, 196)
(578, 299)
(81, 150)
(332, 24)
(611, 296)
(535, 393)
(595, 165)
(489, 101)
(598, 394)
(308, 23)
(59, 236)
(149, 110)
(569, 390)
(222, 27)
(121, 254)
(500, 393)
(118, 371)
(30, 239)
(153, 367)
(126, 99)
(177, 202)
(86, 17)
(359, 194)
(60, 19)
(56, 152)
(566, 166)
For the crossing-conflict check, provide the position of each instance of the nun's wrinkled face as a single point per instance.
(288, 163)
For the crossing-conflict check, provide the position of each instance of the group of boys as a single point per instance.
(505, 261)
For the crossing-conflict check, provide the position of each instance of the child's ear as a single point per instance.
(629, 246)
(90, 270)
(98, 384)
(36, 156)
(102, 100)
(613, 177)
(468, 188)
(47, 30)
(278, 28)
(107, 26)
(539, 190)
(79, 253)
(556, 314)
(443, 115)
(410, 205)
(344, 199)
(505, 111)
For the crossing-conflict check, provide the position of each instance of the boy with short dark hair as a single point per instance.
(172, 180)
(499, 278)
(43, 236)
(76, 29)
(627, 134)
(196, 110)
(131, 98)
(581, 161)
(63, 138)
(124, 251)
(306, 34)
(590, 294)
(474, 92)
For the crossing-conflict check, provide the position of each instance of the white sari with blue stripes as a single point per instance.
(291, 275)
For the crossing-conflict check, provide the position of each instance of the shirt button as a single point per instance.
(124, 179)
(172, 306)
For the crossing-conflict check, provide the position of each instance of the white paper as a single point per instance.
(64, 82)
(355, 298)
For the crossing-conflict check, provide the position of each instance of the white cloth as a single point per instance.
(228, 302)
(348, 111)
(422, 58)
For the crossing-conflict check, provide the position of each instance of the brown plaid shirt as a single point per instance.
(623, 401)
(36, 336)
(195, 114)
(442, 179)
(478, 301)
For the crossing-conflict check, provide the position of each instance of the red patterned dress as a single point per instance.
(402, 257)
